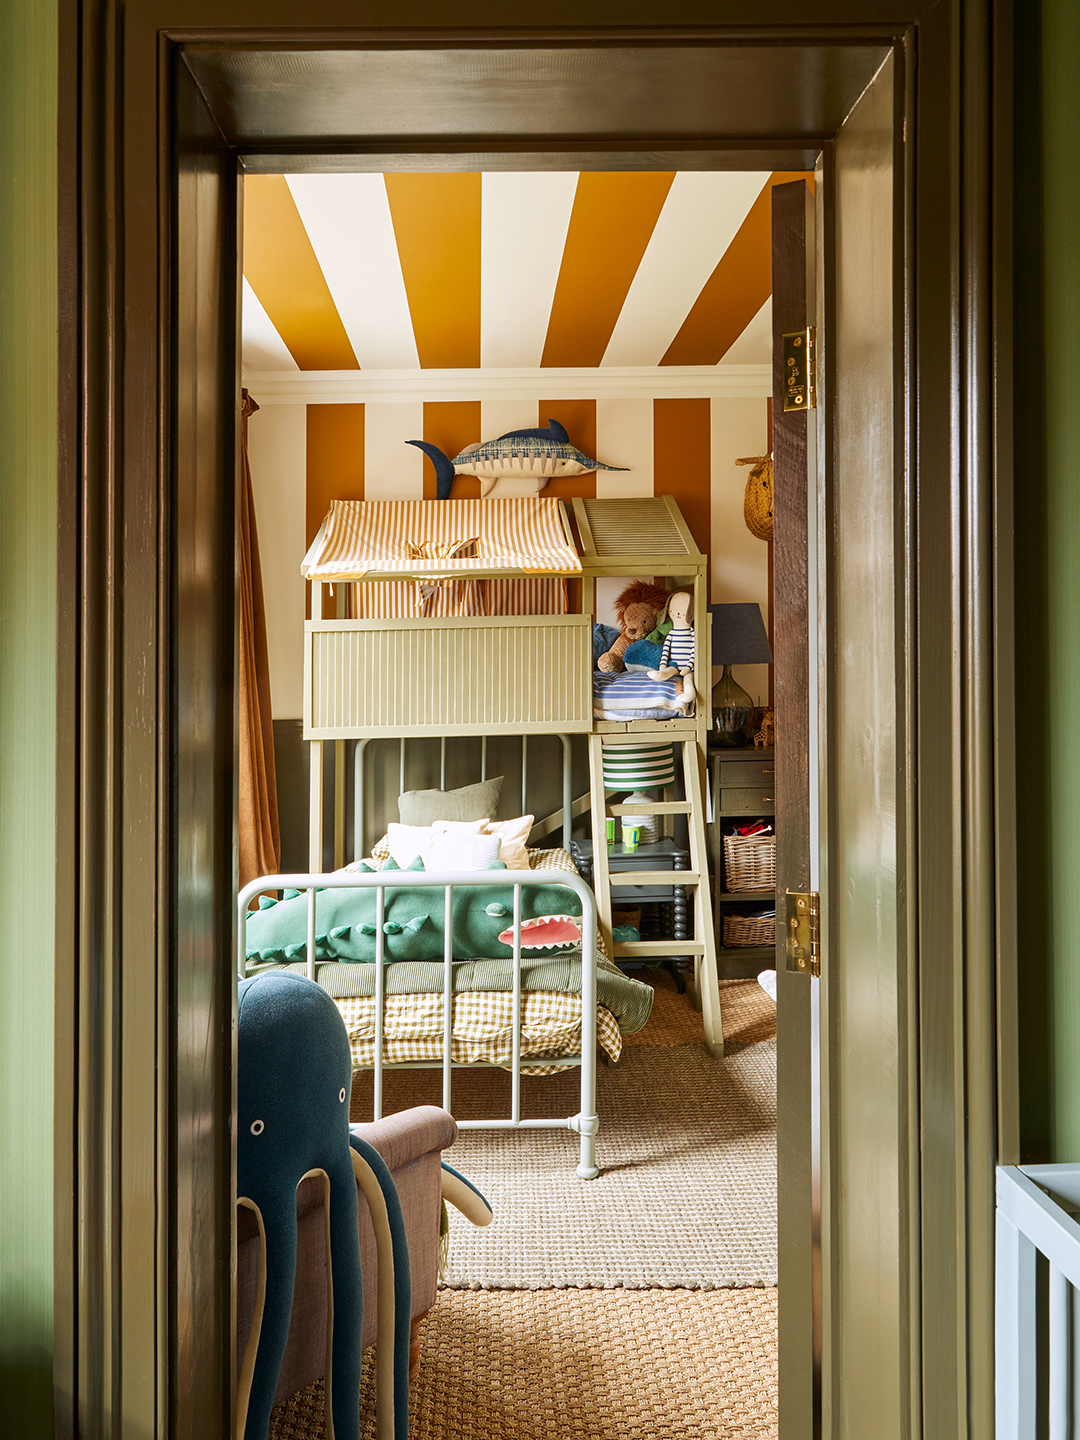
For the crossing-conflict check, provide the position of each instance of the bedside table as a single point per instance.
(663, 855)
(742, 788)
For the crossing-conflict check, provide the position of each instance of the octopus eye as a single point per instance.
(341, 1095)
(257, 1127)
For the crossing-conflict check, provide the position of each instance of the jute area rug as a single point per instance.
(581, 1365)
(593, 1364)
(686, 1198)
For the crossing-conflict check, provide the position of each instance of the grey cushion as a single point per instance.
(471, 802)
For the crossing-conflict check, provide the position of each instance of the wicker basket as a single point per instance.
(623, 916)
(744, 931)
(750, 862)
(758, 500)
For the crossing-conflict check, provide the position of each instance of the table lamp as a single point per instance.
(738, 638)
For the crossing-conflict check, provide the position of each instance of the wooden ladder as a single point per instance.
(696, 879)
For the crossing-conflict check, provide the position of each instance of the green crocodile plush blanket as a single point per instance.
(413, 922)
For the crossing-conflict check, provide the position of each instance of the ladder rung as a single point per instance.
(616, 732)
(626, 878)
(659, 807)
(659, 947)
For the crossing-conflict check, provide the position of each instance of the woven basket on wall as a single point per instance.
(750, 862)
(744, 931)
(758, 500)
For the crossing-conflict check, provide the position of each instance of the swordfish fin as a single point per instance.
(444, 470)
(554, 432)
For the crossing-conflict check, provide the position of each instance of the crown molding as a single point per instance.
(644, 382)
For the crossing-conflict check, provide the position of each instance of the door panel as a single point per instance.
(793, 292)
(866, 1215)
(203, 706)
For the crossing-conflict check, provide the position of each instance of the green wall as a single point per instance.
(28, 362)
(1048, 573)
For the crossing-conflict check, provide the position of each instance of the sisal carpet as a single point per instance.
(581, 1365)
(686, 1197)
(598, 1364)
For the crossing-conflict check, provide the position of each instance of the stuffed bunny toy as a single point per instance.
(677, 656)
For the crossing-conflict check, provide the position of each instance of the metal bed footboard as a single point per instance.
(586, 1123)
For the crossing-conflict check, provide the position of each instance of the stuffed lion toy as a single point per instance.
(636, 610)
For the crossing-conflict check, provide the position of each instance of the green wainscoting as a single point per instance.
(28, 366)
(1048, 575)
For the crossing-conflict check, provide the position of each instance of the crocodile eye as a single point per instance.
(341, 1095)
(257, 1127)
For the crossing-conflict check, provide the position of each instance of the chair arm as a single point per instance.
(409, 1134)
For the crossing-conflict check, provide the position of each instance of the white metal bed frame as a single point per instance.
(586, 1122)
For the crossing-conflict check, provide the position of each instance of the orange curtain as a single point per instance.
(260, 841)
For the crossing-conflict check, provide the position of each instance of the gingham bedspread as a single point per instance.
(482, 1024)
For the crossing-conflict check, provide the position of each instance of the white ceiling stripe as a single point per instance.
(393, 470)
(524, 220)
(754, 345)
(700, 218)
(262, 348)
(347, 218)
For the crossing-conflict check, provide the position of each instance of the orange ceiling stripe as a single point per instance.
(282, 269)
(437, 224)
(613, 218)
(736, 289)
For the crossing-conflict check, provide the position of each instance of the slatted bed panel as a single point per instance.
(519, 674)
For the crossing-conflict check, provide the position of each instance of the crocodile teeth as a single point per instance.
(546, 932)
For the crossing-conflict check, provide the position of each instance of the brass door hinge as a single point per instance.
(800, 370)
(803, 932)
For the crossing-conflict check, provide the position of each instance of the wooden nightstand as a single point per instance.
(742, 788)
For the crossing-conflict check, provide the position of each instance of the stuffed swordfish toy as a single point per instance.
(294, 1076)
(540, 455)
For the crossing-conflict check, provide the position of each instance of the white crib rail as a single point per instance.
(1037, 1344)
(586, 1123)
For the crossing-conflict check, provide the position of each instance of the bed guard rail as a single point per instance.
(586, 1123)
(1037, 1344)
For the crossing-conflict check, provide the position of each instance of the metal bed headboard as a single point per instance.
(358, 763)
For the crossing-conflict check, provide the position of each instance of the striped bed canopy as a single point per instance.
(525, 541)
(420, 538)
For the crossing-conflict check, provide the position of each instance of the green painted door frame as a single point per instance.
(144, 774)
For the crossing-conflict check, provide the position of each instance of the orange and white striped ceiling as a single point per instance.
(497, 270)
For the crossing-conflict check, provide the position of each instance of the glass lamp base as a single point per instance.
(733, 712)
(733, 724)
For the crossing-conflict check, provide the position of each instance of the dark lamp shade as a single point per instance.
(738, 635)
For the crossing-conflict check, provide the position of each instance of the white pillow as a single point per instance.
(408, 841)
(462, 852)
(513, 834)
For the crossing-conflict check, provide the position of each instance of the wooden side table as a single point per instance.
(742, 789)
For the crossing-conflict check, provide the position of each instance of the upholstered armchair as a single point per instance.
(411, 1143)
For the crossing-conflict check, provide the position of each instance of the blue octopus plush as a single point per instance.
(294, 1074)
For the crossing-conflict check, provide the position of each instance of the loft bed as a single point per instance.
(475, 618)
(389, 675)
